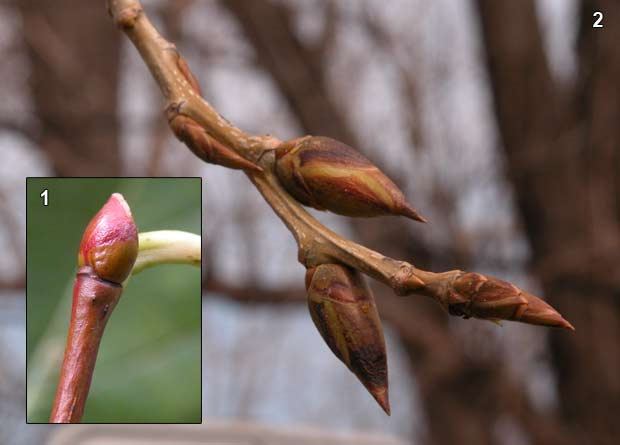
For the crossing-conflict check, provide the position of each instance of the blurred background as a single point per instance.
(148, 366)
(498, 119)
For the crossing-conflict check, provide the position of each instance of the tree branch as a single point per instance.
(317, 244)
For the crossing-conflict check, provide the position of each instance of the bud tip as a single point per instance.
(565, 324)
(541, 313)
(121, 200)
(383, 399)
(412, 213)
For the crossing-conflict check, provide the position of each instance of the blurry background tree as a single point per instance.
(499, 119)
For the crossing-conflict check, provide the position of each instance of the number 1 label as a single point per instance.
(44, 194)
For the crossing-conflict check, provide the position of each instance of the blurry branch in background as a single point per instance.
(216, 140)
(254, 293)
(20, 128)
(73, 88)
(295, 67)
(407, 62)
(17, 249)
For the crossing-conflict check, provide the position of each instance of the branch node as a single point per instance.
(173, 109)
(126, 18)
(405, 281)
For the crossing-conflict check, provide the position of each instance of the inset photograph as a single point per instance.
(113, 300)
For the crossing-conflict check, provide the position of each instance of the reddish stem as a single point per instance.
(93, 302)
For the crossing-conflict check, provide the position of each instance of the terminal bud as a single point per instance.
(480, 296)
(110, 242)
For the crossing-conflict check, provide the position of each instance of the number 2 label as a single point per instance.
(598, 23)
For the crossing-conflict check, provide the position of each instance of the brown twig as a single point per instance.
(317, 244)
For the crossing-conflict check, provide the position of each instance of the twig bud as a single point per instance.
(204, 146)
(328, 175)
(106, 257)
(110, 242)
(480, 296)
(343, 310)
(196, 138)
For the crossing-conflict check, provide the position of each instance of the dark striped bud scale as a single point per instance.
(343, 310)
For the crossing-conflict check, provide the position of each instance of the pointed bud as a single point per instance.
(476, 295)
(110, 242)
(206, 147)
(344, 312)
(328, 175)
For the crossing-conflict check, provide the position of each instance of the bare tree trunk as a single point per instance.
(74, 54)
(563, 156)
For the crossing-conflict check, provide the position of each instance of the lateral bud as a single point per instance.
(110, 242)
(343, 310)
(323, 173)
(206, 147)
(480, 296)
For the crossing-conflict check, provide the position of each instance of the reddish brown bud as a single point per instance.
(110, 242)
(479, 296)
(344, 312)
(106, 257)
(206, 147)
(328, 175)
